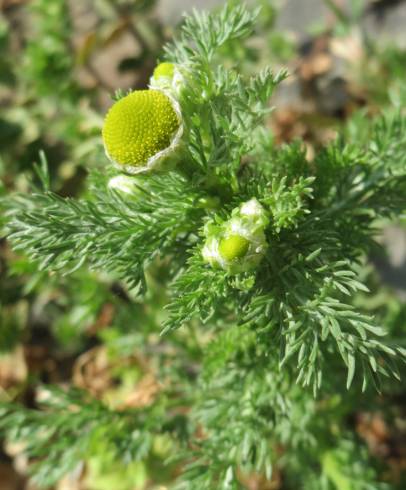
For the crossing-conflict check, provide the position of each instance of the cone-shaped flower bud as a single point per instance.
(239, 244)
(164, 70)
(233, 247)
(141, 129)
(168, 78)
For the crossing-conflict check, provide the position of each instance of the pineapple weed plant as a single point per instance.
(262, 355)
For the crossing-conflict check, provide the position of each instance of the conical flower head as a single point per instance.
(141, 129)
(167, 77)
(233, 247)
(164, 69)
(239, 244)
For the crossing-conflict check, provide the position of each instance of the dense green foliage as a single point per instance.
(259, 370)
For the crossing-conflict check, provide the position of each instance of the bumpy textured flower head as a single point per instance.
(239, 244)
(165, 69)
(141, 129)
(168, 78)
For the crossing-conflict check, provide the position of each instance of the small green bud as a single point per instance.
(233, 247)
(164, 70)
(239, 244)
(168, 78)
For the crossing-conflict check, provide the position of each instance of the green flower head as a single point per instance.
(239, 244)
(233, 247)
(168, 78)
(165, 69)
(141, 129)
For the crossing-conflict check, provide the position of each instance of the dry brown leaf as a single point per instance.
(9, 478)
(16, 450)
(144, 393)
(94, 372)
(103, 320)
(315, 66)
(373, 429)
(4, 5)
(286, 125)
(348, 48)
(254, 481)
(73, 481)
(13, 368)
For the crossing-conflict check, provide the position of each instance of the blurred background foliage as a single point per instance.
(60, 62)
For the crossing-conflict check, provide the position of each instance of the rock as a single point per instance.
(385, 21)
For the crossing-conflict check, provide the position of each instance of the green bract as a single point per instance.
(239, 244)
(122, 183)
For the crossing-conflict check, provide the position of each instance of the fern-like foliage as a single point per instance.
(69, 428)
(267, 334)
(321, 227)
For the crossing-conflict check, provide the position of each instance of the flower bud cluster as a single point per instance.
(239, 244)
